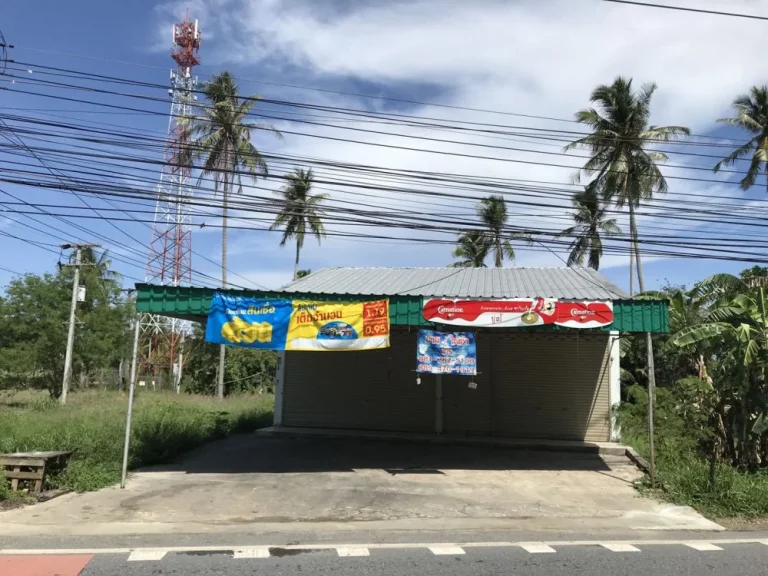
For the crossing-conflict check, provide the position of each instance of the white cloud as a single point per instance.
(532, 56)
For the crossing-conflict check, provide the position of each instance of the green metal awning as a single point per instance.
(191, 303)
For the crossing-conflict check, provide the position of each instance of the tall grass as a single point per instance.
(682, 469)
(92, 426)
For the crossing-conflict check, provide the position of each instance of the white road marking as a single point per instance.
(260, 552)
(145, 555)
(349, 551)
(619, 547)
(446, 550)
(703, 546)
(708, 544)
(537, 548)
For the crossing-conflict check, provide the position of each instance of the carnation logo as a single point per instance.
(583, 312)
(450, 310)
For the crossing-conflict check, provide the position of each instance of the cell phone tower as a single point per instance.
(170, 247)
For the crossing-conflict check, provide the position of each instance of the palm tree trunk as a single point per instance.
(498, 256)
(631, 250)
(636, 247)
(222, 347)
(296, 263)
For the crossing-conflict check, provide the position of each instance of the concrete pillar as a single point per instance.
(615, 383)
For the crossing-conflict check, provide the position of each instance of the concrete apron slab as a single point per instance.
(256, 484)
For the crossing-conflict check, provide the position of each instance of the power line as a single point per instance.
(11, 271)
(686, 9)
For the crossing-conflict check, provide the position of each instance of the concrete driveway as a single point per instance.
(255, 483)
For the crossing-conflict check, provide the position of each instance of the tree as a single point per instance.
(303, 273)
(222, 137)
(493, 216)
(751, 115)
(591, 225)
(472, 249)
(624, 170)
(34, 312)
(299, 212)
(246, 370)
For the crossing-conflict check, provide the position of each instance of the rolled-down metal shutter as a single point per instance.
(468, 410)
(363, 390)
(551, 386)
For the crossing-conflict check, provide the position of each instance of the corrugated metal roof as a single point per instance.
(562, 283)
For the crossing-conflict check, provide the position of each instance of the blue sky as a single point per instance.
(538, 58)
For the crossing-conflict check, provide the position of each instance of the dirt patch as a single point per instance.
(744, 524)
(12, 504)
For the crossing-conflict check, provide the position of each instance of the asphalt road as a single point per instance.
(742, 559)
(683, 554)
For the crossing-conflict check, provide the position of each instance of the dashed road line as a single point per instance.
(619, 547)
(146, 555)
(260, 552)
(446, 550)
(364, 549)
(343, 551)
(537, 548)
(703, 546)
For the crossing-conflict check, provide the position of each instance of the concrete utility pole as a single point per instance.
(71, 333)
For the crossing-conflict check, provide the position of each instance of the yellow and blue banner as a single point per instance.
(297, 324)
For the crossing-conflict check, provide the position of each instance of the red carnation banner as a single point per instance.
(519, 312)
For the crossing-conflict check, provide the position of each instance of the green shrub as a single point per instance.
(5, 488)
(681, 439)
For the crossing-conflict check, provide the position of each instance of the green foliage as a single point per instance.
(472, 249)
(492, 212)
(34, 312)
(300, 212)
(623, 167)
(246, 370)
(92, 426)
(5, 488)
(683, 428)
(474, 246)
(591, 225)
(751, 115)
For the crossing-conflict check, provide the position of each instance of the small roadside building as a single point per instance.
(534, 379)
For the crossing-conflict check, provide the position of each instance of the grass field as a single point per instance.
(92, 426)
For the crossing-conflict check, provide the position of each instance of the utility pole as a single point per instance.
(73, 308)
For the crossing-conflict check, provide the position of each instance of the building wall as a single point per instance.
(529, 385)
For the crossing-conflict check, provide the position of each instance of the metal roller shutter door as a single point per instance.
(468, 411)
(551, 386)
(363, 390)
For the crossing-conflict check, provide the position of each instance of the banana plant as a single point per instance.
(735, 332)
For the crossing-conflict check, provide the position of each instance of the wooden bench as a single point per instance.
(31, 466)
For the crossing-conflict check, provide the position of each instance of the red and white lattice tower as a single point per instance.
(170, 248)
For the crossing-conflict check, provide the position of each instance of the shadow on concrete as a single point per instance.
(258, 454)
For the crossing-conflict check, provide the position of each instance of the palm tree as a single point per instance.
(591, 225)
(299, 212)
(493, 215)
(98, 262)
(472, 248)
(751, 115)
(222, 136)
(624, 170)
